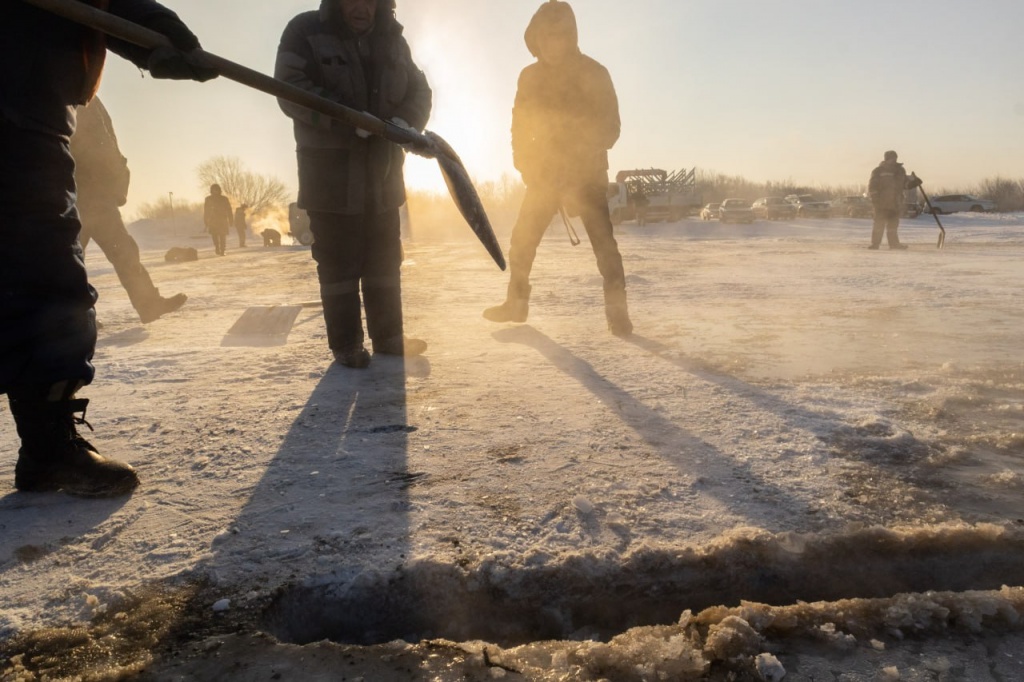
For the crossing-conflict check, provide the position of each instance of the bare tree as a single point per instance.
(260, 193)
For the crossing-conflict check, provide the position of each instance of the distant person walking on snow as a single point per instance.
(102, 176)
(240, 225)
(217, 216)
(350, 183)
(564, 121)
(886, 188)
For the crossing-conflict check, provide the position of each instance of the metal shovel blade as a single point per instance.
(465, 196)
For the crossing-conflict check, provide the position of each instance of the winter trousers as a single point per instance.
(102, 222)
(47, 316)
(887, 221)
(359, 254)
(539, 207)
(220, 242)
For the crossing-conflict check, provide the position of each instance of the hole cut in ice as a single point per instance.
(596, 598)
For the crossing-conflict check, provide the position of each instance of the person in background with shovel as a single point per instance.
(47, 315)
(351, 184)
(564, 121)
(886, 188)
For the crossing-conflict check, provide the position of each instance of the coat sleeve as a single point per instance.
(415, 108)
(525, 125)
(604, 126)
(141, 12)
(296, 65)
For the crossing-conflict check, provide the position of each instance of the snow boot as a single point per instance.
(161, 306)
(400, 345)
(355, 357)
(516, 306)
(54, 457)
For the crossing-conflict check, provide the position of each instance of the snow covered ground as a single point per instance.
(797, 422)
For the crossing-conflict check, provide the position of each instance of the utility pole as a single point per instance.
(174, 223)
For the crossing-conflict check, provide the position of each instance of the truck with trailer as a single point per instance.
(661, 195)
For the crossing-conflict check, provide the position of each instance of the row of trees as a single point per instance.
(1006, 192)
(434, 213)
(263, 194)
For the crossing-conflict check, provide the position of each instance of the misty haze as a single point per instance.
(801, 459)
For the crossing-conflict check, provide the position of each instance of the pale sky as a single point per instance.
(812, 91)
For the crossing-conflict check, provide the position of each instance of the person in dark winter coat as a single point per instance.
(240, 225)
(102, 176)
(351, 184)
(218, 217)
(47, 315)
(886, 189)
(564, 121)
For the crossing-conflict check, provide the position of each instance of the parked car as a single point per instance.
(736, 211)
(951, 203)
(773, 208)
(710, 212)
(852, 207)
(807, 206)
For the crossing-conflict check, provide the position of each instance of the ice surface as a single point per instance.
(814, 448)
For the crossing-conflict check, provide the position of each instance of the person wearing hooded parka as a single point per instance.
(564, 121)
(350, 183)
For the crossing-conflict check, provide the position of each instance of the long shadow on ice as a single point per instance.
(674, 443)
(334, 498)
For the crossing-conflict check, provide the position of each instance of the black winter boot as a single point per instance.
(54, 457)
(617, 312)
(516, 306)
(161, 306)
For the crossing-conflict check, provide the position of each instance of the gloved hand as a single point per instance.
(176, 62)
(913, 182)
(363, 134)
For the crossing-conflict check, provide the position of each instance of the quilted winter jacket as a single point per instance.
(886, 186)
(340, 172)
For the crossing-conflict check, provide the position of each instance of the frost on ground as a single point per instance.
(797, 422)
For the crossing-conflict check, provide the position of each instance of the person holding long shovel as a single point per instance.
(47, 315)
(351, 183)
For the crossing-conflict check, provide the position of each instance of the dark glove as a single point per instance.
(913, 182)
(173, 27)
(175, 62)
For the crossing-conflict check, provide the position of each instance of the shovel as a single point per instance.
(427, 144)
(928, 202)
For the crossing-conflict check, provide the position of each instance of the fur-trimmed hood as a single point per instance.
(550, 13)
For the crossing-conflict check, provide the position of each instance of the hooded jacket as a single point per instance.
(340, 172)
(101, 171)
(59, 61)
(565, 118)
(886, 186)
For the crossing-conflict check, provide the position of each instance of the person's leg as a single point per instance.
(382, 287)
(878, 228)
(338, 248)
(103, 221)
(47, 320)
(598, 223)
(534, 217)
(892, 225)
